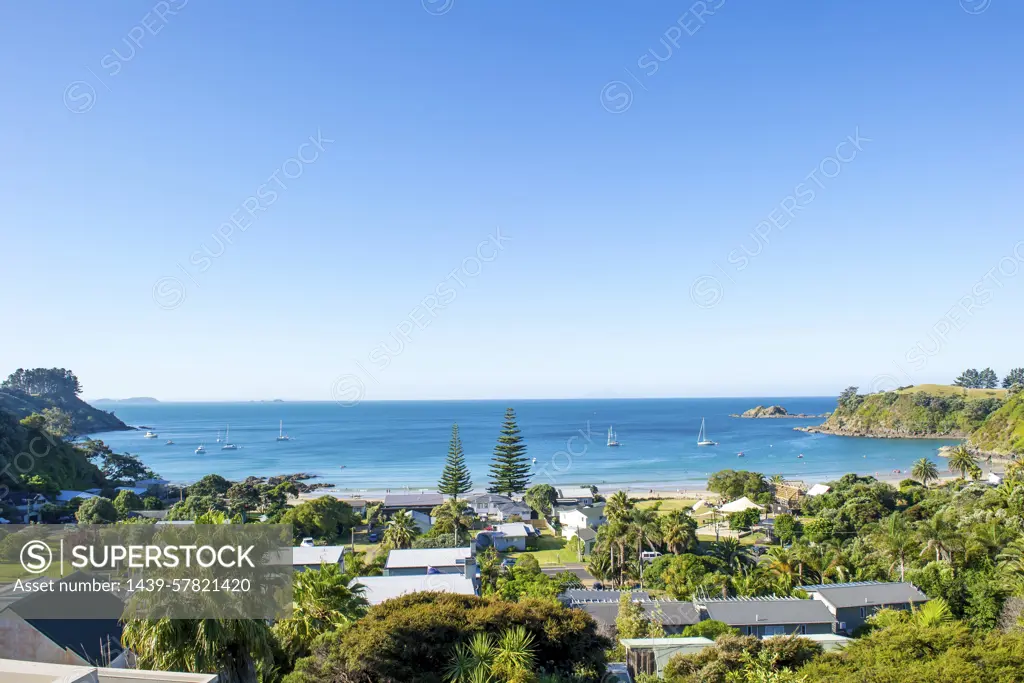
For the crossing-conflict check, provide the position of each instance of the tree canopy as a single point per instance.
(510, 468)
(455, 479)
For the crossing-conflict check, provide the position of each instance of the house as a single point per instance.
(313, 557)
(358, 505)
(603, 607)
(648, 656)
(770, 616)
(29, 631)
(850, 604)
(139, 491)
(573, 519)
(422, 520)
(589, 538)
(377, 589)
(512, 536)
(159, 485)
(41, 672)
(828, 641)
(498, 507)
(430, 560)
(580, 495)
(420, 502)
(68, 496)
(787, 497)
(27, 505)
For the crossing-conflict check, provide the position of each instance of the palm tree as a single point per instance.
(932, 614)
(732, 554)
(618, 507)
(678, 532)
(1011, 558)
(924, 470)
(400, 530)
(935, 534)
(644, 525)
(323, 601)
(235, 649)
(452, 516)
(896, 541)
(961, 460)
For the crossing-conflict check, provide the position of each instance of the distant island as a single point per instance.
(990, 420)
(53, 393)
(123, 401)
(776, 411)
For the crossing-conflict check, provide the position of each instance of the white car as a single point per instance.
(307, 542)
(649, 556)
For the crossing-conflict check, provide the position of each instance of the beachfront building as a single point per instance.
(419, 502)
(579, 495)
(504, 537)
(43, 672)
(418, 561)
(572, 519)
(377, 589)
(499, 508)
(850, 604)
(770, 616)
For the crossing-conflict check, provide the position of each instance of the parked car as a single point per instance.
(649, 555)
(373, 536)
(307, 542)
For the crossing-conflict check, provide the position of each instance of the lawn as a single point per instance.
(550, 550)
(666, 505)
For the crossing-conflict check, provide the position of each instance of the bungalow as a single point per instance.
(770, 616)
(603, 607)
(580, 495)
(430, 561)
(575, 518)
(648, 656)
(850, 604)
(498, 507)
(589, 538)
(421, 502)
(512, 536)
(68, 496)
(314, 557)
(423, 521)
(377, 589)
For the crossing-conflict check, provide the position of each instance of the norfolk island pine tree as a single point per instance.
(455, 479)
(510, 468)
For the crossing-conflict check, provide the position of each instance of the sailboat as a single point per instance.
(611, 438)
(228, 446)
(702, 436)
(218, 436)
(281, 436)
(201, 449)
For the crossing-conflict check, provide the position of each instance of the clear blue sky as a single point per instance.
(125, 151)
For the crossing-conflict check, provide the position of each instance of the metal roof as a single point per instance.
(757, 611)
(397, 500)
(428, 557)
(592, 595)
(666, 612)
(381, 588)
(862, 593)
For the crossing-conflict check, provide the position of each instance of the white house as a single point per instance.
(313, 557)
(574, 519)
(377, 589)
(413, 561)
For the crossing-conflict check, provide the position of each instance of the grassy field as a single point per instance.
(550, 550)
(666, 505)
(949, 390)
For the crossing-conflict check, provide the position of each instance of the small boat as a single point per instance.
(201, 449)
(218, 436)
(702, 436)
(341, 467)
(149, 435)
(281, 436)
(228, 446)
(169, 443)
(611, 438)
(800, 456)
(535, 461)
(740, 454)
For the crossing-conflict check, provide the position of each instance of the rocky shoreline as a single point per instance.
(890, 434)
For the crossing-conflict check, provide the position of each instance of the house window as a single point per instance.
(775, 630)
(863, 612)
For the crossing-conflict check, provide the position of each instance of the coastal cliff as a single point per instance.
(25, 392)
(991, 422)
(761, 412)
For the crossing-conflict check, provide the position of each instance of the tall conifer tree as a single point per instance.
(455, 479)
(510, 468)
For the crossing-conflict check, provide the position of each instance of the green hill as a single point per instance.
(32, 391)
(1003, 432)
(33, 452)
(926, 411)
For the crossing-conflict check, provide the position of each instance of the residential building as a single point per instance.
(770, 616)
(850, 604)
(315, 557)
(511, 536)
(573, 519)
(377, 589)
(431, 560)
(420, 502)
(589, 538)
(648, 656)
(500, 508)
(580, 495)
(42, 672)
(603, 607)
(423, 521)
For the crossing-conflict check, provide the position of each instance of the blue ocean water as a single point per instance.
(393, 445)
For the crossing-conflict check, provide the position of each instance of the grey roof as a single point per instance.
(377, 589)
(419, 500)
(758, 611)
(575, 492)
(489, 498)
(317, 555)
(428, 557)
(590, 595)
(666, 612)
(862, 593)
(586, 534)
